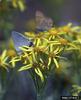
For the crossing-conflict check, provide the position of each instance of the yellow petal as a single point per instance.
(34, 56)
(26, 67)
(56, 63)
(41, 60)
(3, 55)
(14, 3)
(51, 47)
(21, 5)
(38, 42)
(23, 49)
(49, 61)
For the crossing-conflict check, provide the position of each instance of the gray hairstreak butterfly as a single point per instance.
(43, 23)
(20, 40)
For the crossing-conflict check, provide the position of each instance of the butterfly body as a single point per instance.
(20, 40)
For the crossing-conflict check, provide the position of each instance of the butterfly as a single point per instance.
(43, 23)
(20, 40)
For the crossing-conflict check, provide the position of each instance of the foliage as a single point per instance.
(76, 90)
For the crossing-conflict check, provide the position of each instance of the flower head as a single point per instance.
(3, 60)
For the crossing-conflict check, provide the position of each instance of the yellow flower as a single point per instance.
(38, 39)
(52, 33)
(31, 61)
(63, 41)
(11, 53)
(53, 55)
(3, 60)
(66, 29)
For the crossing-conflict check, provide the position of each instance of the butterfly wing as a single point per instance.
(39, 17)
(39, 21)
(49, 23)
(43, 23)
(20, 40)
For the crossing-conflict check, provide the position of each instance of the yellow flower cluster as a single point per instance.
(47, 50)
(3, 59)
